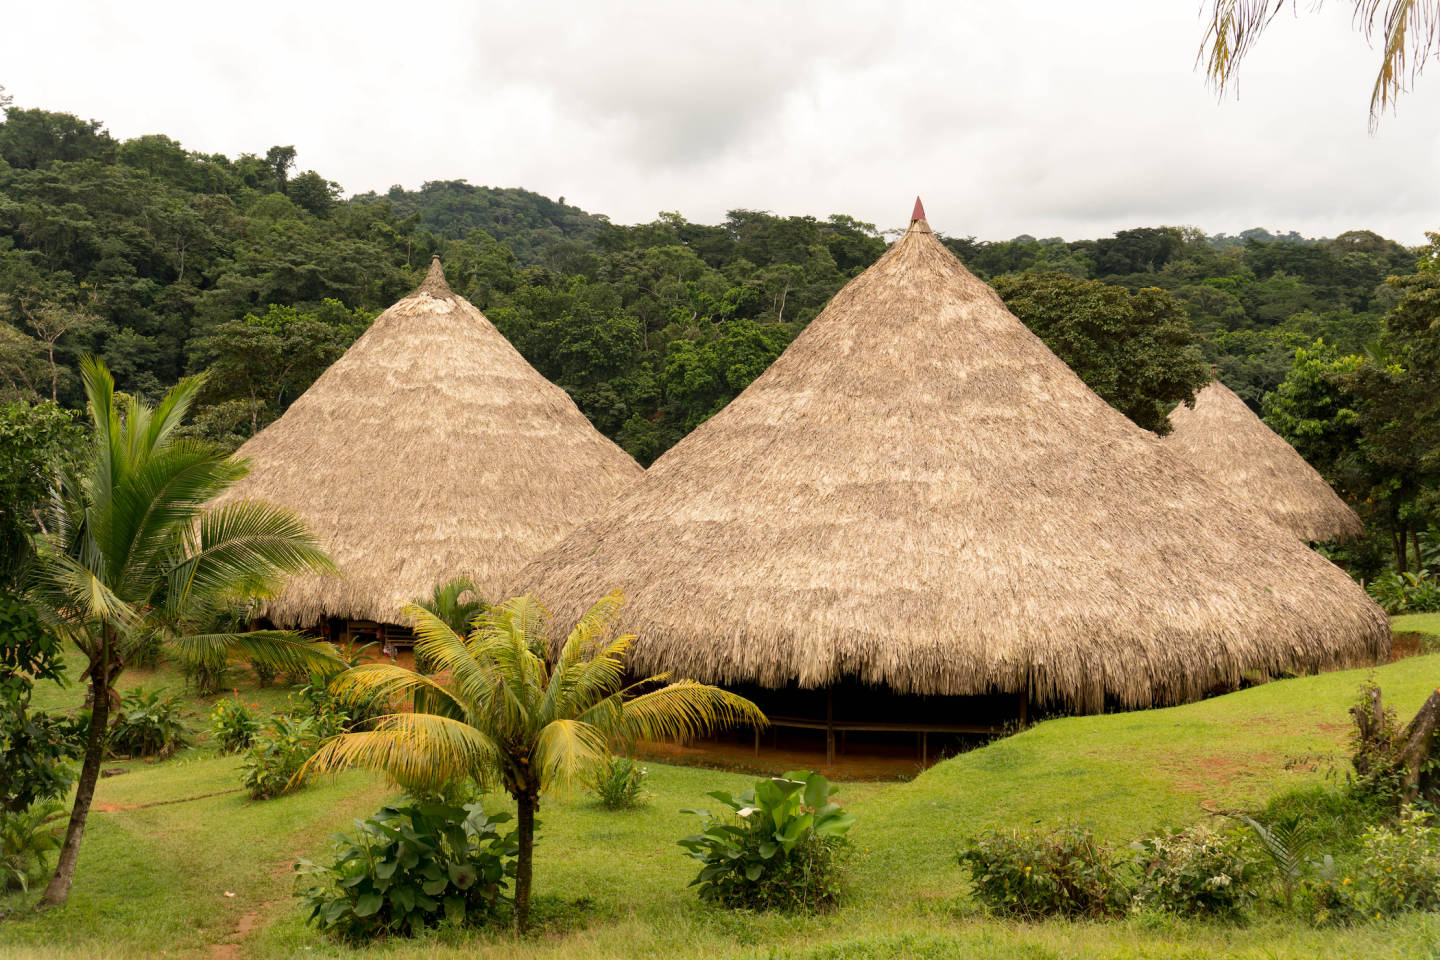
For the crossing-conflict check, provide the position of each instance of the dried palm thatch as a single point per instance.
(430, 450)
(919, 494)
(1224, 440)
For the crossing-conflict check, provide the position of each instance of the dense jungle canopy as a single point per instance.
(165, 261)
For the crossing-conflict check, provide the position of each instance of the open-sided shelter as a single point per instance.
(918, 506)
(430, 450)
(1223, 439)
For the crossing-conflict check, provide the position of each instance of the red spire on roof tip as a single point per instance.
(919, 213)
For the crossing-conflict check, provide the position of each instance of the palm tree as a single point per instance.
(1409, 31)
(129, 552)
(503, 713)
(444, 601)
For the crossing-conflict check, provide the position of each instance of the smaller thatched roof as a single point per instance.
(1224, 439)
(430, 450)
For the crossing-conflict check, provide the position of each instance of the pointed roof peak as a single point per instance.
(434, 282)
(918, 223)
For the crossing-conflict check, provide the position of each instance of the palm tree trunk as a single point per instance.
(59, 889)
(526, 801)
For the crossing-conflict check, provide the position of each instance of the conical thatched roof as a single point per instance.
(430, 450)
(919, 494)
(1224, 439)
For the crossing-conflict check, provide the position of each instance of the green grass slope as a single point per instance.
(1417, 623)
(157, 877)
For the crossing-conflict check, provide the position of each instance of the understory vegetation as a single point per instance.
(613, 883)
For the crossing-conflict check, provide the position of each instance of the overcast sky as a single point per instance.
(1052, 118)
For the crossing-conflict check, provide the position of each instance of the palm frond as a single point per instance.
(685, 709)
(285, 650)
(596, 624)
(1409, 31)
(415, 750)
(586, 683)
(72, 587)
(392, 682)
(566, 751)
(171, 410)
(473, 681)
(247, 542)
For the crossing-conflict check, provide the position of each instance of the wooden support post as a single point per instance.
(1024, 706)
(924, 748)
(829, 726)
(757, 740)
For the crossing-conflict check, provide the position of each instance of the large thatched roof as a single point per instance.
(431, 449)
(919, 494)
(1224, 439)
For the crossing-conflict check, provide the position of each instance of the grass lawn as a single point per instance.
(156, 878)
(1417, 623)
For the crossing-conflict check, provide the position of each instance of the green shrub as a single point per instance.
(1406, 592)
(233, 725)
(148, 725)
(277, 754)
(35, 747)
(27, 838)
(1061, 872)
(779, 850)
(1396, 871)
(1195, 872)
(619, 784)
(336, 714)
(206, 675)
(408, 867)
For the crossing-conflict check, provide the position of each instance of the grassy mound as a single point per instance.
(178, 859)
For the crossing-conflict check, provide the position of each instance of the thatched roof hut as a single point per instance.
(919, 494)
(1224, 439)
(430, 450)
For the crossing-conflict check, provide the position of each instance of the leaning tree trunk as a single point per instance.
(1417, 743)
(526, 802)
(59, 889)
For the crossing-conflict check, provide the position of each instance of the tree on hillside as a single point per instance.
(1370, 423)
(36, 441)
(1408, 31)
(130, 552)
(510, 707)
(1137, 351)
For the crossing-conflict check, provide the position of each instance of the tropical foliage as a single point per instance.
(27, 839)
(35, 747)
(777, 849)
(408, 867)
(1060, 872)
(1406, 30)
(132, 554)
(232, 724)
(147, 725)
(511, 707)
(279, 751)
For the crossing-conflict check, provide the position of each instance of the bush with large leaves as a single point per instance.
(501, 712)
(132, 552)
(35, 747)
(409, 866)
(779, 850)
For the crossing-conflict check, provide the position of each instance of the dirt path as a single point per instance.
(117, 807)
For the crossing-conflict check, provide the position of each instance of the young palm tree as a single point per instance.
(503, 713)
(129, 552)
(444, 601)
